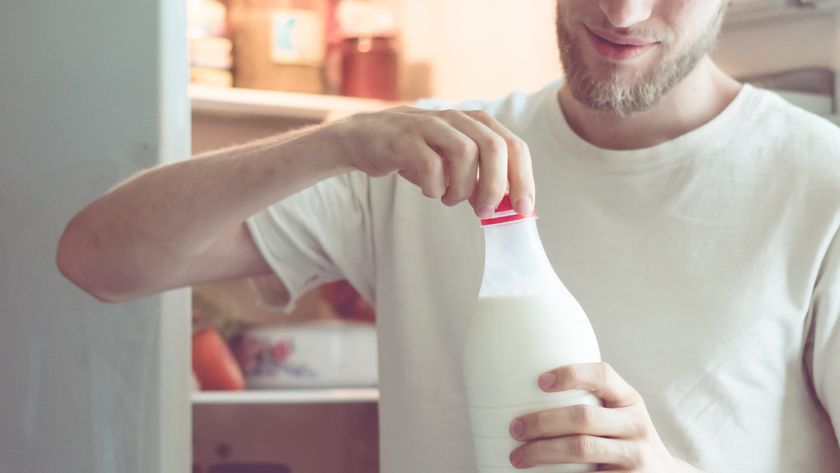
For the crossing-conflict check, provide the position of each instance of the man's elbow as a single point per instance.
(75, 264)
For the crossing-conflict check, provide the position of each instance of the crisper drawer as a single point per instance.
(285, 438)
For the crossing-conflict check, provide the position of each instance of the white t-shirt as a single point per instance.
(709, 266)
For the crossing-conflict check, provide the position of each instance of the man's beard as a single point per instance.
(624, 98)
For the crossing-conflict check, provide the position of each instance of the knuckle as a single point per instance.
(518, 146)
(642, 428)
(496, 145)
(582, 447)
(539, 426)
(451, 115)
(433, 189)
(466, 149)
(603, 372)
(583, 415)
(569, 375)
(429, 165)
(538, 451)
(480, 115)
(454, 195)
(453, 201)
(640, 458)
(428, 121)
(430, 192)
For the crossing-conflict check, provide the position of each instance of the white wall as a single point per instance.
(479, 48)
(86, 99)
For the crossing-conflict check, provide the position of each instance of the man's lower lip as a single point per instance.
(614, 51)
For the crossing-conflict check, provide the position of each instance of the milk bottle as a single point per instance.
(525, 323)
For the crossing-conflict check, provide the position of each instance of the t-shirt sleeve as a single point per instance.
(822, 350)
(319, 235)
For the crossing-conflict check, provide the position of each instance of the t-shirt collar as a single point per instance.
(716, 132)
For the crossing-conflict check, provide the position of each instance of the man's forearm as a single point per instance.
(150, 224)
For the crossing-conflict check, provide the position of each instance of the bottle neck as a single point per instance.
(515, 261)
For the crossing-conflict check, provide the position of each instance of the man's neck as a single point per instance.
(702, 95)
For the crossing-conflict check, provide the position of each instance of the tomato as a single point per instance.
(214, 364)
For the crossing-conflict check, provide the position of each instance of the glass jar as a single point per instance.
(369, 67)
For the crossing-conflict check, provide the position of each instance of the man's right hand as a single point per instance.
(449, 154)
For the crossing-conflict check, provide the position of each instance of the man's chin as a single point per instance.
(619, 110)
(610, 97)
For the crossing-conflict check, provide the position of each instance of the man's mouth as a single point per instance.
(616, 47)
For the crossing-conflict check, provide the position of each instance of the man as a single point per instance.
(693, 217)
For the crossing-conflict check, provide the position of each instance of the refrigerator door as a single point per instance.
(90, 93)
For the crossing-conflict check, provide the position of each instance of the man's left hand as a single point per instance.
(618, 437)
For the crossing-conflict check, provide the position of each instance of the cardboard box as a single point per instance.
(278, 44)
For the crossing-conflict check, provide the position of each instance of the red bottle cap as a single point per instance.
(505, 213)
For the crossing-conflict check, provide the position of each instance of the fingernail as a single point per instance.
(485, 212)
(548, 380)
(524, 205)
(516, 428)
(516, 457)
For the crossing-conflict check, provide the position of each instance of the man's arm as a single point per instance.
(182, 223)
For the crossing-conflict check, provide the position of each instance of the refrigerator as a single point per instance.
(90, 92)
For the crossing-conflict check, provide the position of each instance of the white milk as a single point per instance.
(511, 341)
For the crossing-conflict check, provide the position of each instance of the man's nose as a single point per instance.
(626, 13)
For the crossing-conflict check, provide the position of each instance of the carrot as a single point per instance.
(214, 364)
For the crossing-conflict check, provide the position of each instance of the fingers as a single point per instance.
(492, 165)
(575, 449)
(599, 378)
(424, 168)
(579, 419)
(480, 157)
(462, 141)
(519, 168)
(617, 437)
(470, 149)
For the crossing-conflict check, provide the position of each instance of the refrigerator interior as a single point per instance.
(262, 431)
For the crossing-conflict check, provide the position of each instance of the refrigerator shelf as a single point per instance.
(251, 102)
(288, 396)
